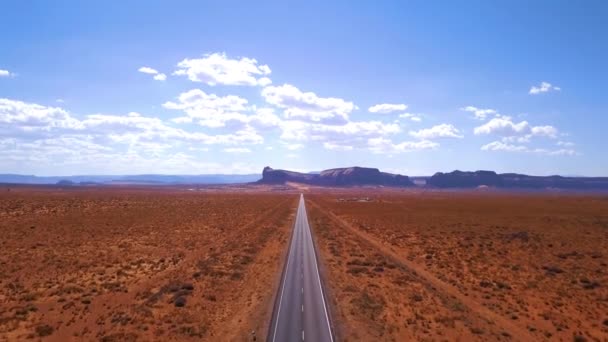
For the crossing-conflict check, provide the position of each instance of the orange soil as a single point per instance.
(113, 264)
(464, 266)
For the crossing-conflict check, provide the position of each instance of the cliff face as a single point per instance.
(272, 176)
(350, 176)
(459, 179)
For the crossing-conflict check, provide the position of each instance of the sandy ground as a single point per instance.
(445, 266)
(137, 264)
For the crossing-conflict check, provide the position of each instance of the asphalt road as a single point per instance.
(300, 313)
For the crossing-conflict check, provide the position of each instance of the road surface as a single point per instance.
(300, 313)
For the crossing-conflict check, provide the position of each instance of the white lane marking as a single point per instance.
(302, 290)
(302, 307)
(293, 241)
(302, 335)
(318, 277)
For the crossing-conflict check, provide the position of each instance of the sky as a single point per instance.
(201, 87)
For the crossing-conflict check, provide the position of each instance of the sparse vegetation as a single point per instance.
(464, 259)
(142, 264)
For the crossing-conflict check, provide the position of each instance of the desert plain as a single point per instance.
(139, 264)
(464, 266)
(169, 264)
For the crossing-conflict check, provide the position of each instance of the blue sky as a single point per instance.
(193, 87)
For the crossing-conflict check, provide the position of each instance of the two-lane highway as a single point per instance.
(300, 313)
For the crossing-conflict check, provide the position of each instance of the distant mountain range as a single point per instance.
(357, 176)
(461, 179)
(339, 177)
(348, 176)
(130, 179)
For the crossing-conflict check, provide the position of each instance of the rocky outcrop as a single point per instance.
(460, 179)
(350, 176)
(272, 176)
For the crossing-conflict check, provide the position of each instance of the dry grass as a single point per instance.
(437, 266)
(120, 265)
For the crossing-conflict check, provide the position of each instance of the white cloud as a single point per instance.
(307, 105)
(563, 152)
(264, 81)
(29, 121)
(565, 143)
(413, 117)
(386, 146)
(337, 147)
(500, 146)
(217, 68)
(387, 108)
(45, 138)
(438, 131)
(543, 88)
(544, 131)
(520, 132)
(150, 71)
(160, 77)
(264, 118)
(304, 131)
(6, 73)
(30, 117)
(505, 147)
(237, 150)
(209, 110)
(503, 125)
(479, 113)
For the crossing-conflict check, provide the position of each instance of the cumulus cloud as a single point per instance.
(544, 87)
(387, 108)
(264, 81)
(438, 131)
(209, 110)
(307, 105)
(6, 73)
(29, 121)
(217, 68)
(29, 117)
(479, 113)
(150, 71)
(37, 136)
(386, 146)
(503, 125)
(332, 146)
(521, 131)
(160, 77)
(305, 131)
(565, 143)
(544, 131)
(501, 146)
(413, 117)
(506, 147)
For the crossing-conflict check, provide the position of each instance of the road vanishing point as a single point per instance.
(300, 312)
